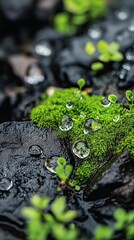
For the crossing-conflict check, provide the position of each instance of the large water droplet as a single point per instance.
(51, 164)
(105, 102)
(35, 150)
(34, 75)
(122, 14)
(43, 49)
(5, 184)
(80, 149)
(130, 56)
(69, 104)
(66, 123)
(88, 125)
(95, 33)
(116, 118)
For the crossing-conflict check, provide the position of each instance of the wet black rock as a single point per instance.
(24, 149)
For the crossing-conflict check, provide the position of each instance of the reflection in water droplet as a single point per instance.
(5, 184)
(122, 14)
(66, 123)
(43, 49)
(34, 75)
(130, 55)
(126, 66)
(105, 102)
(51, 164)
(69, 104)
(82, 114)
(88, 125)
(80, 149)
(116, 118)
(95, 33)
(35, 150)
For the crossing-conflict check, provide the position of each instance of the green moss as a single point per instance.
(111, 138)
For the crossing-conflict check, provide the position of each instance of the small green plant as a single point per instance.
(64, 171)
(107, 52)
(81, 83)
(112, 98)
(78, 12)
(55, 224)
(130, 96)
(123, 224)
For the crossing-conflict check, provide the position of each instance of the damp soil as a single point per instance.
(35, 58)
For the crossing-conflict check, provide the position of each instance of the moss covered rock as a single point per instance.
(97, 129)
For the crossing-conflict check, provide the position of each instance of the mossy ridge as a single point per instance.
(111, 138)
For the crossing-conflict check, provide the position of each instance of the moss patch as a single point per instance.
(112, 131)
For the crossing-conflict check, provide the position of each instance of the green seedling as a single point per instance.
(107, 52)
(63, 170)
(55, 224)
(81, 83)
(112, 98)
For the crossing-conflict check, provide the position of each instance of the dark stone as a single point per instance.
(26, 171)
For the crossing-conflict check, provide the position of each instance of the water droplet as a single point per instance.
(35, 150)
(69, 104)
(95, 33)
(126, 66)
(43, 49)
(116, 118)
(130, 55)
(82, 114)
(88, 125)
(123, 74)
(5, 184)
(131, 27)
(34, 75)
(105, 102)
(122, 14)
(66, 123)
(80, 149)
(51, 164)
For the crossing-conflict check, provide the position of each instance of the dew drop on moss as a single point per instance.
(88, 125)
(51, 164)
(69, 104)
(116, 118)
(66, 123)
(5, 184)
(105, 102)
(82, 114)
(80, 149)
(35, 150)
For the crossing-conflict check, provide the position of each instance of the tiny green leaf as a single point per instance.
(105, 57)
(129, 95)
(68, 170)
(58, 206)
(61, 161)
(81, 83)
(112, 98)
(38, 202)
(114, 47)
(117, 57)
(103, 233)
(102, 46)
(97, 66)
(90, 48)
(30, 213)
(77, 188)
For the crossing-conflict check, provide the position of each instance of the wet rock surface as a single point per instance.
(24, 149)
